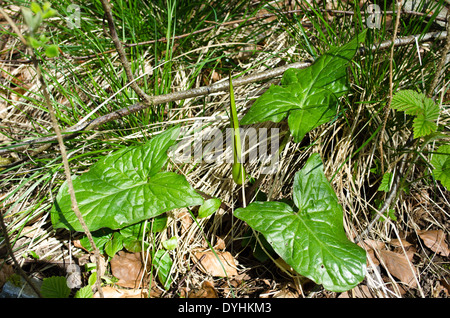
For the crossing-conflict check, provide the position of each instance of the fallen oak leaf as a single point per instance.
(219, 264)
(371, 246)
(128, 268)
(435, 240)
(399, 266)
(111, 292)
(206, 291)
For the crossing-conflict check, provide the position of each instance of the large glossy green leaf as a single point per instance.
(126, 187)
(312, 240)
(308, 96)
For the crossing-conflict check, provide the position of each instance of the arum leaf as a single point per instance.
(312, 240)
(126, 187)
(209, 207)
(308, 96)
(163, 264)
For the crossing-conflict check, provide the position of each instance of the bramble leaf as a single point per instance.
(308, 96)
(312, 240)
(441, 163)
(55, 287)
(126, 187)
(425, 110)
(386, 182)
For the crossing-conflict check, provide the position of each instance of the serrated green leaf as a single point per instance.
(408, 101)
(163, 264)
(423, 126)
(312, 240)
(441, 164)
(417, 104)
(85, 292)
(55, 287)
(386, 182)
(307, 95)
(125, 188)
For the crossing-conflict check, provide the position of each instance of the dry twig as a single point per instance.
(62, 149)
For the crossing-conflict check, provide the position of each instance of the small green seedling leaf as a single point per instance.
(133, 235)
(441, 164)
(100, 237)
(308, 96)
(55, 287)
(163, 265)
(386, 182)
(51, 51)
(114, 245)
(170, 244)
(125, 187)
(209, 207)
(312, 241)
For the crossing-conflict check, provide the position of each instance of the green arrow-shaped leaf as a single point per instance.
(125, 187)
(312, 240)
(308, 96)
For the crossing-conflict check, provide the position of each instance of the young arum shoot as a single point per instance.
(238, 170)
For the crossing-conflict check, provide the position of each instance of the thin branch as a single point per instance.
(441, 64)
(122, 54)
(62, 149)
(83, 126)
(387, 107)
(396, 185)
(178, 37)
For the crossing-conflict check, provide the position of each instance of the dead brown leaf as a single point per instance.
(398, 265)
(371, 246)
(218, 266)
(435, 240)
(206, 291)
(361, 291)
(128, 268)
(6, 271)
(186, 220)
(400, 243)
(220, 244)
(286, 292)
(111, 292)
